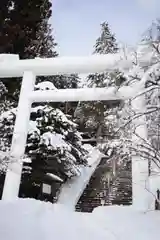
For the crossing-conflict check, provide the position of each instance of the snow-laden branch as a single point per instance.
(154, 69)
(146, 150)
(54, 177)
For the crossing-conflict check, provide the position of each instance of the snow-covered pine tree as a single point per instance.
(33, 38)
(28, 20)
(106, 43)
(53, 147)
(21, 23)
(25, 31)
(92, 114)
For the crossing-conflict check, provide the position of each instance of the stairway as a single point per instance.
(71, 191)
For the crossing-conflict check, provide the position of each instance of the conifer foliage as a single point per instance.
(53, 144)
(25, 29)
(94, 113)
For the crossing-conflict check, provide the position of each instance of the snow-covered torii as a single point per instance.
(11, 66)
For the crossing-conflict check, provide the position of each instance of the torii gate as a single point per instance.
(11, 66)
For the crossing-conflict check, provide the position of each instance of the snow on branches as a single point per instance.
(53, 140)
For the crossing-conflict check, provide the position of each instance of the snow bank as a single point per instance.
(71, 191)
(126, 223)
(35, 220)
(46, 85)
(154, 185)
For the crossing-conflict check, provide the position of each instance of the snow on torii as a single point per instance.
(11, 66)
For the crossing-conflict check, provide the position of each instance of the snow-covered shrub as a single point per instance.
(53, 144)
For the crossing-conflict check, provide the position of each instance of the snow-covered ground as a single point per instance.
(34, 220)
(124, 222)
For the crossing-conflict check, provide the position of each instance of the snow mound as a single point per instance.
(30, 219)
(54, 139)
(46, 85)
(35, 220)
(127, 223)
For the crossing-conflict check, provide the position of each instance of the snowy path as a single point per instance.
(72, 190)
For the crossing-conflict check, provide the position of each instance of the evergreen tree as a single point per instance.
(94, 113)
(25, 31)
(106, 43)
(53, 147)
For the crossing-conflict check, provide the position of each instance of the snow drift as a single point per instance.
(127, 223)
(35, 220)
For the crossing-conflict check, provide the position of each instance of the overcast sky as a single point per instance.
(76, 23)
